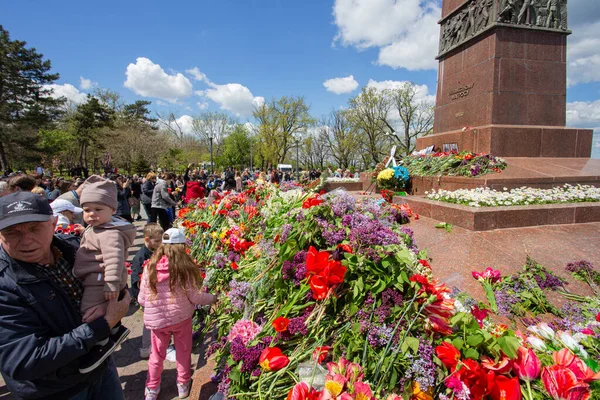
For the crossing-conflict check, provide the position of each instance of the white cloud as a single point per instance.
(583, 59)
(197, 75)
(148, 79)
(235, 98)
(202, 105)
(405, 31)
(69, 91)
(86, 84)
(341, 85)
(422, 91)
(583, 114)
(183, 123)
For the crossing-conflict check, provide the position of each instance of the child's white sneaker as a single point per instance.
(184, 389)
(152, 394)
(145, 353)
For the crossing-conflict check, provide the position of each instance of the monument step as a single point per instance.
(521, 171)
(503, 217)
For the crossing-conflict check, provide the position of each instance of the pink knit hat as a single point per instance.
(99, 190)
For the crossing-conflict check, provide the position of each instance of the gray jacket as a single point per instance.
(161, 197)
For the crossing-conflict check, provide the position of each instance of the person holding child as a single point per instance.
(152, 241)
(100, 260)
(169, 292)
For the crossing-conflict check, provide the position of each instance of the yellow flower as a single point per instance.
(214, 235)
(386, 174)
(418, 394)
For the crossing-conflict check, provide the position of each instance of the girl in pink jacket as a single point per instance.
(169, 292)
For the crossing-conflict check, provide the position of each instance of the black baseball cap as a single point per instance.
(20, 207)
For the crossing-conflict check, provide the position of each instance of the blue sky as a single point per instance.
(186, 56)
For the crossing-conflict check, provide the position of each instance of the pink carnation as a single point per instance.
(245, 330)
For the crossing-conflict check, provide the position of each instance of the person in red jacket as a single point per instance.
(194, 190)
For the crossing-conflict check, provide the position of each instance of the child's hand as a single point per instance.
(79, 229)
(111, 295)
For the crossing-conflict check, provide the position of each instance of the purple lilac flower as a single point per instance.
(248, 355)
(223, 387)
(220, 260)
(379, 336)
(298, 325)
(341, 202)
(392, 297)
(285, 232)
(580, 266)
(238, 293)
(551, 282)
(347, 220)
(233, 256)
(300, 217)
(505, 302)
(422, 369)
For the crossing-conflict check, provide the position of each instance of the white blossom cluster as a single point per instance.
(486, 197)
(334, 179)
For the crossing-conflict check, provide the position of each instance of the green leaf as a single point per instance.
(509, 345)
(393, 379)
(458, 343)
(472, 354)
(474, 340)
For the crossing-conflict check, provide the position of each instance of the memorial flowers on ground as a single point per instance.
(486, 197)
(453, 164)
(329, 297)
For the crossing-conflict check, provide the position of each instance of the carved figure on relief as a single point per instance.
(469, 21)
(508, 12)
(527, 13)
(483, 12)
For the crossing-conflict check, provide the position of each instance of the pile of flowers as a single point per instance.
(329, 297)
(455, 164)
(486, 197)
(395, 178)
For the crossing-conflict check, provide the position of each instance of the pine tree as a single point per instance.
(25, 102)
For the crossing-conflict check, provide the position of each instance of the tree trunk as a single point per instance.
(3, 160)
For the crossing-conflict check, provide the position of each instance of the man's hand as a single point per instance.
(93, 313)
(116, 310)
(111, 295)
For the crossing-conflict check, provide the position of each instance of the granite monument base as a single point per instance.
(516, 141)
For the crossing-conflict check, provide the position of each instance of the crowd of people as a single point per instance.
(64, 285)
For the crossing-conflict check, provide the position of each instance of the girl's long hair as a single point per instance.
(183, 271)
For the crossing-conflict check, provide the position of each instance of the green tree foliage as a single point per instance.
(416, 116)
(236, 148)
(25, 105)
(278, 122)
(88, 121)
(342, 138)
(368, 113)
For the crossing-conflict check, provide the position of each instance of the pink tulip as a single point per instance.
(528, 365)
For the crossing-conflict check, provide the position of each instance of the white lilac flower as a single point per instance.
(545, 331)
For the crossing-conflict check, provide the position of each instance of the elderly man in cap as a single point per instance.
(42, 335)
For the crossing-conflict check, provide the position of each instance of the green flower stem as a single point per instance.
(387, 347)
(529, 390)
(397, 350)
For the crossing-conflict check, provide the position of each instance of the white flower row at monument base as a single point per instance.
(334, 179)
(485, 197)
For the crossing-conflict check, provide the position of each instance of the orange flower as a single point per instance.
(281, 324)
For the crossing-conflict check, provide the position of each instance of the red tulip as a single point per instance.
(448, 355)
(299, 392)
(587, 331)
(500, 387)
(472, 375)
(234, 266)
(316, 260)
(567, 359)
(527, 366)
(598, 317)
(334, 272)
(319, 287)
(272, 359)
(321, 353)
(502, 366)
(562, 384)
(281, 324)
(344, 247)
(480, 314)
